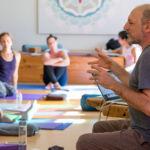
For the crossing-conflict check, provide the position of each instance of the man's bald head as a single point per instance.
(144, 10)
(138, 25)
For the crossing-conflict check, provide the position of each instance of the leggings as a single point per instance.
(6, 89)
(53, 74)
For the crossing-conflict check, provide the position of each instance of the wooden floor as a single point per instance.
(83, 122)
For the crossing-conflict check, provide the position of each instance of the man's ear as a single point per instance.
(146, 27)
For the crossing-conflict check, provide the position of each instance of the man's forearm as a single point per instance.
(138, 100)
(62, 64)
(120, 72)
(52, 61)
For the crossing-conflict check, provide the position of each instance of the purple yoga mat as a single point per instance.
(27, 97)
(53, 126)
(9, 147)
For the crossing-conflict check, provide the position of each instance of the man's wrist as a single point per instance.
(117, 88)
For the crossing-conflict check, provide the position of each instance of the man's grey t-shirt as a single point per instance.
(140, 80)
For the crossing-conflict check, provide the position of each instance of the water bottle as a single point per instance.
(18, 99)
(22, 134)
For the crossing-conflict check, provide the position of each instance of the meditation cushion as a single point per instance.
(83, 102)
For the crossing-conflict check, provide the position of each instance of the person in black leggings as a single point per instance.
(53, 74)
(55, 64)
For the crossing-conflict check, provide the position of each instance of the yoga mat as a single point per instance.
(49, 124)
(63, 126)
(52, 111)
(26, 97)
(31, 86)
(9, 147)
(46, 115)
(53, 126)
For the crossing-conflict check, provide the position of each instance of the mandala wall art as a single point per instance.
(83, 16)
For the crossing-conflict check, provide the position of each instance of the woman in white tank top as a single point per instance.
(131, 53)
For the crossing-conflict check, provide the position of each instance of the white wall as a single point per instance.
(19, 17)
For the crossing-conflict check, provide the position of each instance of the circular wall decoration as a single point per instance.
(80, 8)
(76, 16)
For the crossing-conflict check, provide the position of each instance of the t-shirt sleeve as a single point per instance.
(144, 72)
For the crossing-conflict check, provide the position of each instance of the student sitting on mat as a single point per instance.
(9, 64)
(131, 52)
(55, 64)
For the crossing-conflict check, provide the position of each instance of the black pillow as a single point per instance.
(112, 44)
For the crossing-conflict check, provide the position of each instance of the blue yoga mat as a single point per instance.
(53, 126)
(46, 124)
(31, 86)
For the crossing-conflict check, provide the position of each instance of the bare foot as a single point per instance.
(49, 86)
(57, 86)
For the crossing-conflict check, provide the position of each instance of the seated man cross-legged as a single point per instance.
(134, 88)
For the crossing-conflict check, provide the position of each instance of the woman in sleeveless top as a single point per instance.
(131, 53)
(55, 64)
(9, 64)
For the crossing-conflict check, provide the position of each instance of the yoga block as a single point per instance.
(116, 110)
(57, 97)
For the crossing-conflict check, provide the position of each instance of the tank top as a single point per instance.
(129, 58)
(7, 69)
